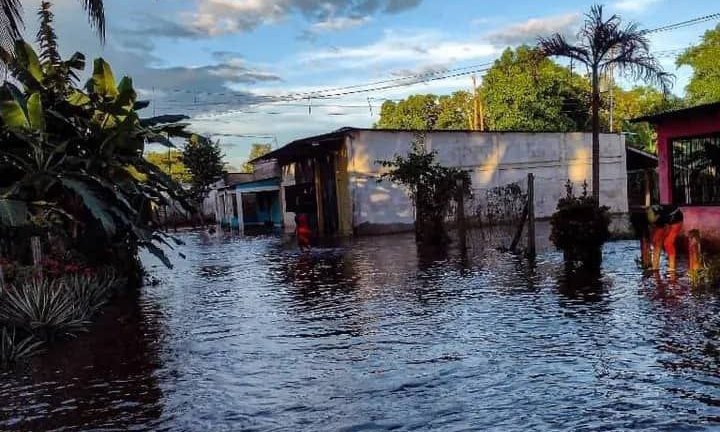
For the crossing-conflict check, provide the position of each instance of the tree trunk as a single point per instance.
(596, 133)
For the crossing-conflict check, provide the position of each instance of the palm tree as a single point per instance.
(11, 21)
(603, 45)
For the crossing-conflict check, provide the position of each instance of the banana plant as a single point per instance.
(86, 147)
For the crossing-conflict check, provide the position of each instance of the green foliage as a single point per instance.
(633, 103)
(430, 186)
(704, 86)
(11, 19)
(78, 155)
(49, 306)
(40, 306)
(580, 226)
(204, 159)
(607, 44)
(15, 348)
(170, 163)
(525, 91)
(256, 151)
(427, 112)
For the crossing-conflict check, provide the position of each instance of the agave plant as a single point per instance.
(42, 307)
(90, 292)
(13, 348)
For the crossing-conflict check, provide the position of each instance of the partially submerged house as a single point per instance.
(246, 201)
(333, 178)
(689, 165)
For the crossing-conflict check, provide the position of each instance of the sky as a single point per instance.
(225, 63)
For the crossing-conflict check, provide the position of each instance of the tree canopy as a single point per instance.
(204, 159)
(524, 91)
(427, 112)
(256, 150)
(170, 162)
(704, 86)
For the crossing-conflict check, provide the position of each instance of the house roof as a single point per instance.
(231, 179)
(640, 160)
(295, 147)
(699, 110)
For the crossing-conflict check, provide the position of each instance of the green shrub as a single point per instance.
(13, 348)
(580, 226)
(42, 307)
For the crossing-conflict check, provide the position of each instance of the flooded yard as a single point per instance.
(251, 334)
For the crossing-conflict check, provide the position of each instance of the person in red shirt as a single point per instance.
(303, 231)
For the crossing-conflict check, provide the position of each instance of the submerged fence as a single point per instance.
(498, 215)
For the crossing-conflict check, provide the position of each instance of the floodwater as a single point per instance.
(250, 334)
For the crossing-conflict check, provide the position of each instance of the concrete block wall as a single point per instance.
(494, 159)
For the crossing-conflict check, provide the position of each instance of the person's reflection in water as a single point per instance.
(669, 291)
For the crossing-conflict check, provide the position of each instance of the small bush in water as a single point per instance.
(580, 226)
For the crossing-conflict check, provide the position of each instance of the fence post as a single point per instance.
(531, 214)
(694, 253)
(461, 213)
(36, 254)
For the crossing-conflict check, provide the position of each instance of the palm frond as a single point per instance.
(11, 22)
(96, 14)
(558, 46)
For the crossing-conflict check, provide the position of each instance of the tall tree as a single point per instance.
(605, 44)
(704, 86)
(204, 159)
(526, 91)
(11, 20)
(256, 151)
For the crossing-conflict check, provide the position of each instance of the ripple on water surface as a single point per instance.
(375, 335)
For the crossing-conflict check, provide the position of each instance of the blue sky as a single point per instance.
(215, 60)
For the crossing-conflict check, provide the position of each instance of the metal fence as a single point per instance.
(696, 170)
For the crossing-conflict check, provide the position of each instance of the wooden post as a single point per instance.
(36, 248)
(241, 215)
(462, 232)
(648, 190)
(694, 253)
(531, 214)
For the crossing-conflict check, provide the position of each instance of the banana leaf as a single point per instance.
(94, 204)
(102, 82)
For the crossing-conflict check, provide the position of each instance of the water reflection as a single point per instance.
(251, 334)
(106, 379)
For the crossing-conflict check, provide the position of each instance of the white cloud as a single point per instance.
(216, 17)
(338, 24)
(530, 30)
(417, 48)
(634, 5)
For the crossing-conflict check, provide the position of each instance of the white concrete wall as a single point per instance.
(288, 179)
(494, 159)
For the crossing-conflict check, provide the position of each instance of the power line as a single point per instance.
(683, 24)
(398, 82)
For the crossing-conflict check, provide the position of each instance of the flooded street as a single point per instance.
(250, 334)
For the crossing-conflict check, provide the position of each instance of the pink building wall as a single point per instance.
(706, 219)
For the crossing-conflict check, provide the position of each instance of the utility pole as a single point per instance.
(478, 121)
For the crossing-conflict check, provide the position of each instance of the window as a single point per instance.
(696, 170)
